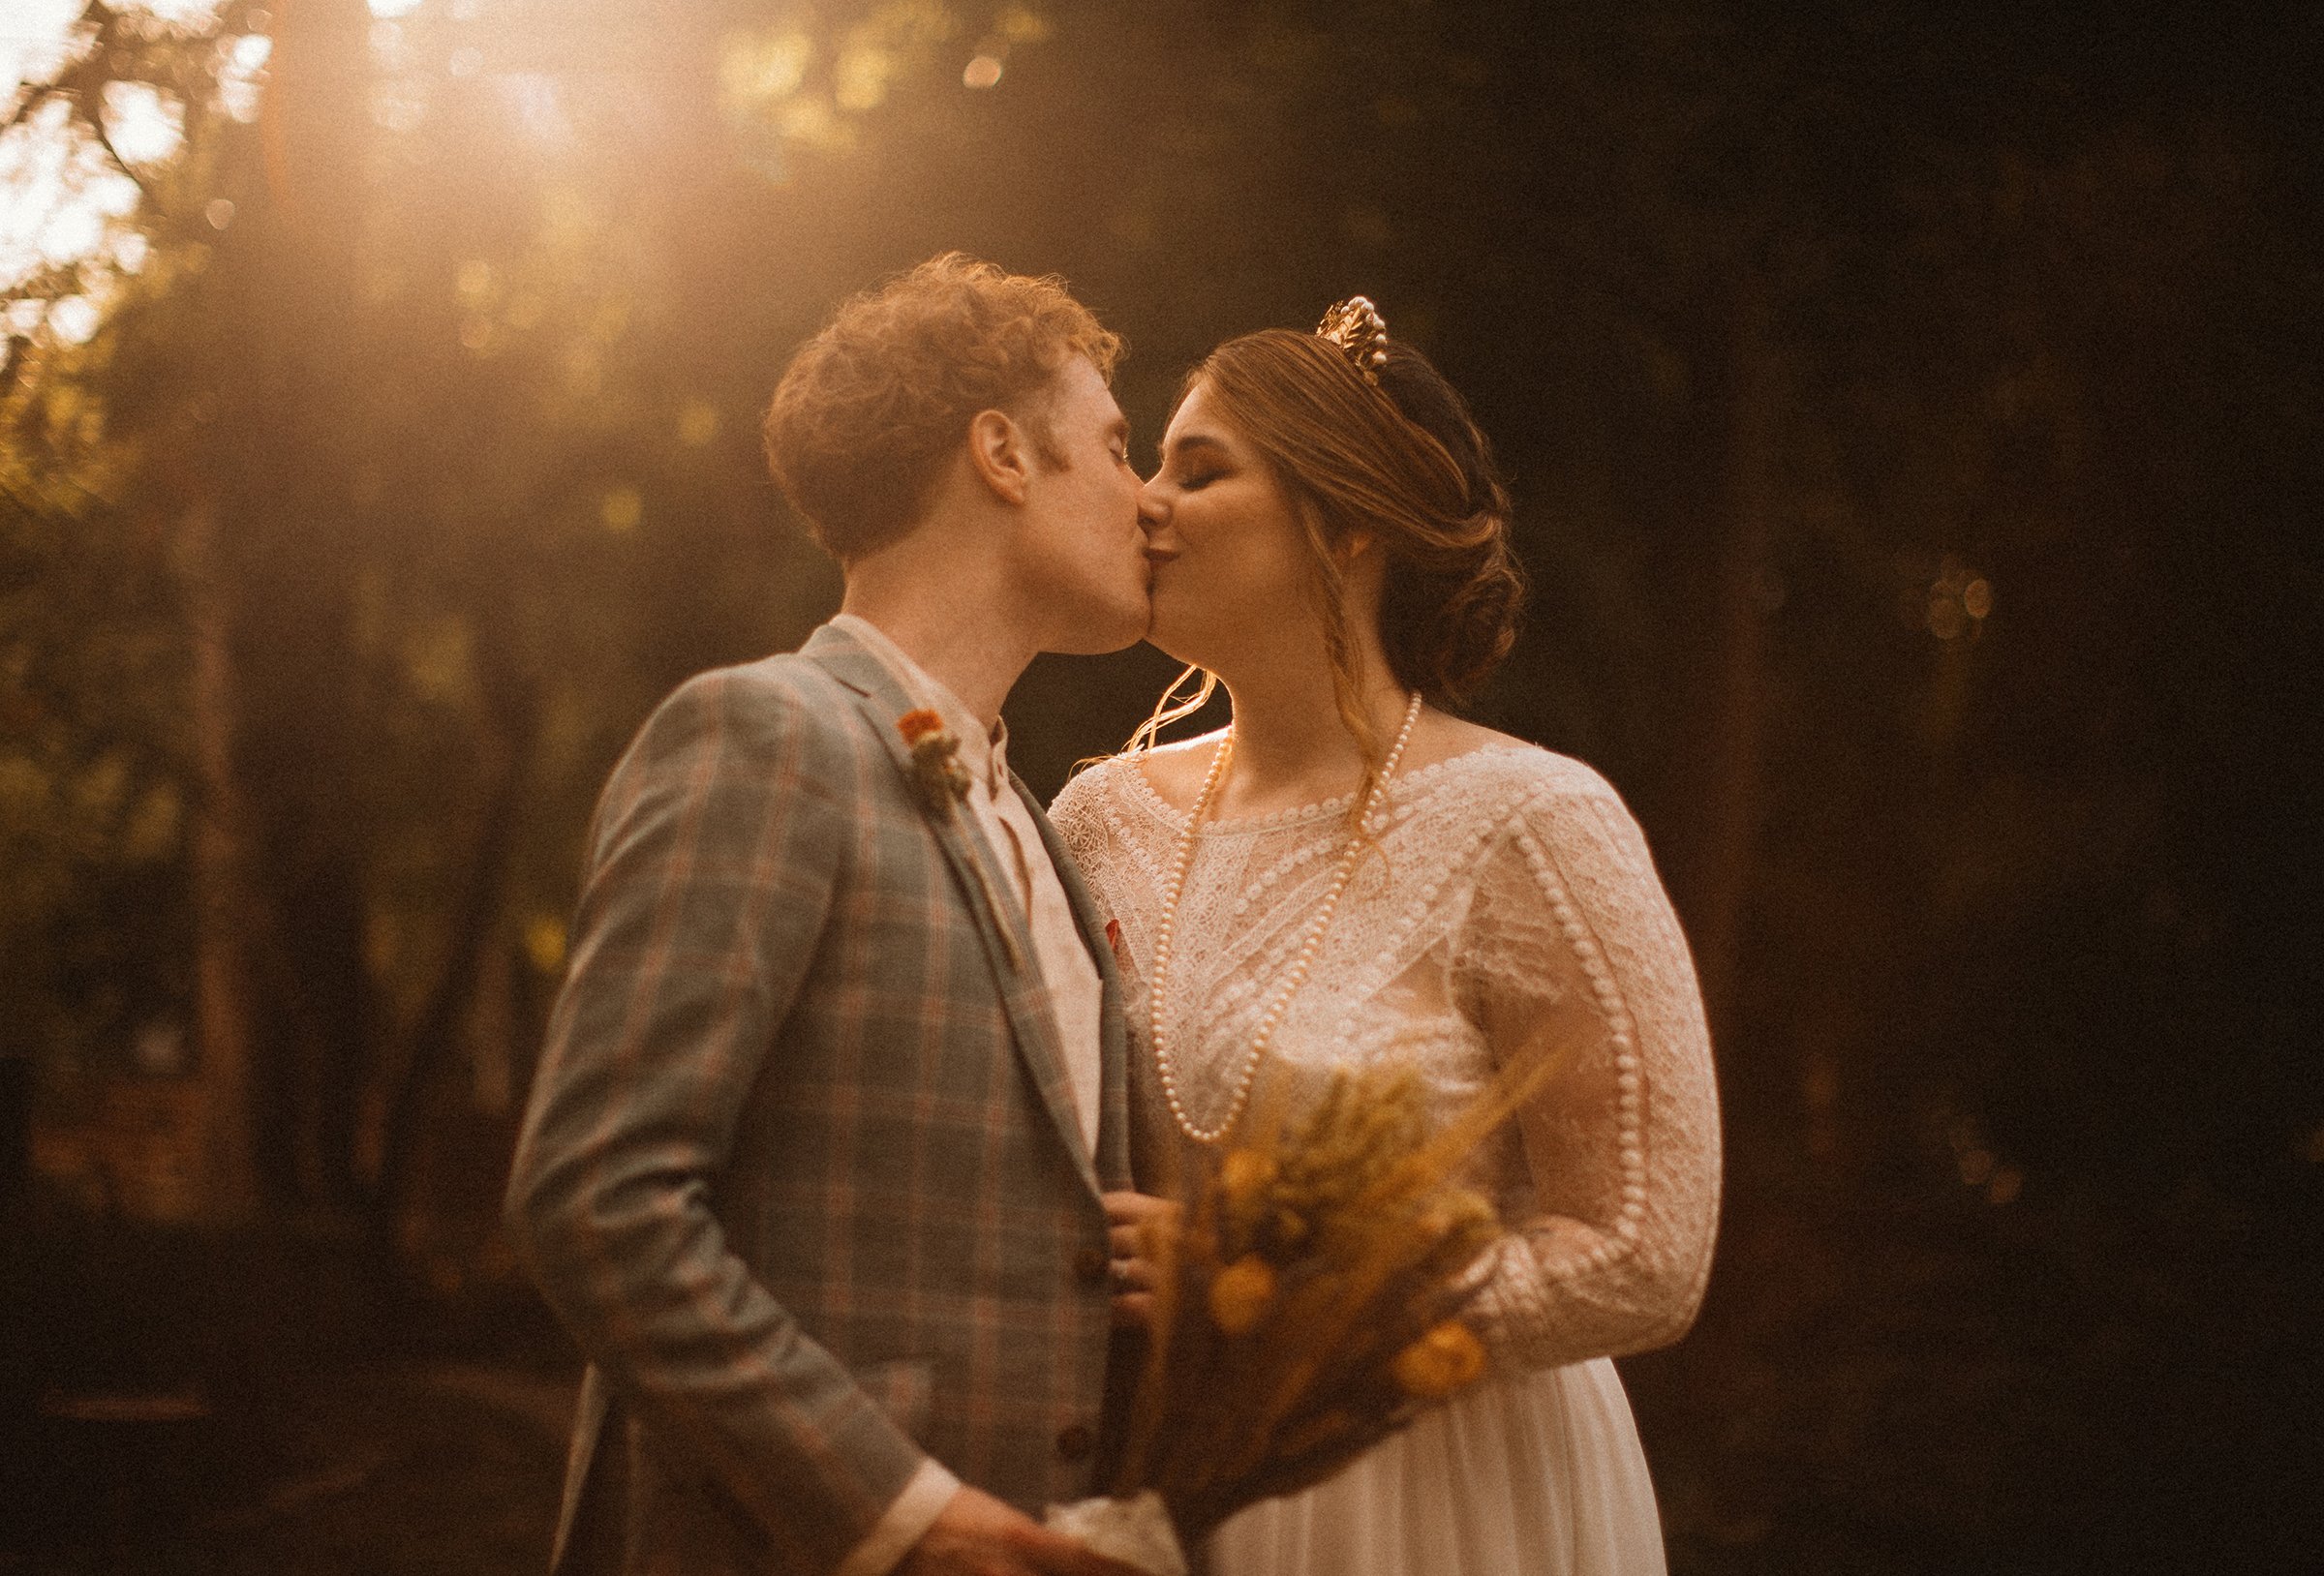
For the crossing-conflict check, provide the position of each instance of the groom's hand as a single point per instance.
(976, 1535)
(1134, 1221)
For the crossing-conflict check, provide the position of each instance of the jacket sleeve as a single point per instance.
(1579, 976)
(712, 873)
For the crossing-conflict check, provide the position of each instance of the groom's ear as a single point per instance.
(1001, 455)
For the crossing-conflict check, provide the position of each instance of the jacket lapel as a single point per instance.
(1008, 942)
(1113, 1028)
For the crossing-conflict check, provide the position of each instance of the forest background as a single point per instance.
(1915, 415)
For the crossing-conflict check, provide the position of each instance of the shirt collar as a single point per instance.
(985, 754)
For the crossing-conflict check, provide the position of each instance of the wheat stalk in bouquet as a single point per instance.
(1309, 1303)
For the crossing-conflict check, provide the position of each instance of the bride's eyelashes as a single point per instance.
(1200, 477)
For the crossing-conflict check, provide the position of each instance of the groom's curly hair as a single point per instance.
(869, 408)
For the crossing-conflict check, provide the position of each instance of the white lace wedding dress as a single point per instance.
(1516, 914)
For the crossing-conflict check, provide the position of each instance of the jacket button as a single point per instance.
(1089, 1267)
(1075, 1441)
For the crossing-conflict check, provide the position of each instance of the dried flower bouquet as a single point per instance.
(1309, 1307)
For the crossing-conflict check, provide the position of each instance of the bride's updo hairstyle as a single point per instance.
(1369, 441)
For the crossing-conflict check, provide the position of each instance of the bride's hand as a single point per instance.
(1134, 1219)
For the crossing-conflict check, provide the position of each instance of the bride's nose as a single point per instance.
(1153, 511)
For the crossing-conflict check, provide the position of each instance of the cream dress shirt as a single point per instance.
(1075, 996)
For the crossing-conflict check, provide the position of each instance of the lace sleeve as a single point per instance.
(1571, 953)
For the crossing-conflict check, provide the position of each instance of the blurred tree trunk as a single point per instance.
(302, 698)
(509, 729)
(1728, 798)
(225, 903)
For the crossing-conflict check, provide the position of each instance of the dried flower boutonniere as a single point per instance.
(943, 779)
(936, 757)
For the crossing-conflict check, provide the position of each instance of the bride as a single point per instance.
(1349, 873)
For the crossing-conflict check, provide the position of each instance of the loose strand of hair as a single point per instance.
(1169, 709)
(1347, 679)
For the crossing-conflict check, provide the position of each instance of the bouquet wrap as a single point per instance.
(1135, 1530)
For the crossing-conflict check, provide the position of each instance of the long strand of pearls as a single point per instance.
(1167, 923)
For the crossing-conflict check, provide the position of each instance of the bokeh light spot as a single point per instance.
(544, 941)
(143, 125)
(437, 659)
(74, 319)
(219, 212)
(697, 423)
(1955, 604)
(1022, 25)
(861, 76)
(242, 71)
(983, 72)
(621, 509)
(758, 70)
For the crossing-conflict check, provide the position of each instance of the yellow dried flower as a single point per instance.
(1244, 1175)
(1240, 1293)
(1447, 1358)
(1454, 1211)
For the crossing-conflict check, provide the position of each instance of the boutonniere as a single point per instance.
(943, 779)
(936, 757)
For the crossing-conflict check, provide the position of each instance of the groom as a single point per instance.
(816, 1155)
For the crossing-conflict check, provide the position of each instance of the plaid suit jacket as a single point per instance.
(801, 1170)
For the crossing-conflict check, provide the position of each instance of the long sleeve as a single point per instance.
(1571, 954)
(714, 858)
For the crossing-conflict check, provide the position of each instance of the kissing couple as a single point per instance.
(867, 1071)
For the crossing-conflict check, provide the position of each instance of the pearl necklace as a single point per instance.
(1167, 923)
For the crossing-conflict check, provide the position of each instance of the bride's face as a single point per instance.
(1230, 560)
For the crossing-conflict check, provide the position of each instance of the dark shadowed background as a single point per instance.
(1915, 415)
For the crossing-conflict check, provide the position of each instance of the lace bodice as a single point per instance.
(1514, 913)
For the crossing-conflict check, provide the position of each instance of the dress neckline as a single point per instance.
(1337, 804)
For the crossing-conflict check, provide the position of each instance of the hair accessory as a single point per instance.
(1357, 327)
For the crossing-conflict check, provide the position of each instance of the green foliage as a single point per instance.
(1915, 428)
(1827, 323)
